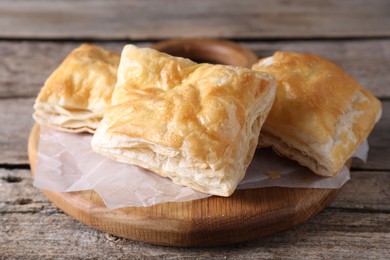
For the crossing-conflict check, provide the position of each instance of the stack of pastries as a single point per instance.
(200, 124)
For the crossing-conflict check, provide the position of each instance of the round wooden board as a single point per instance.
(246, 215)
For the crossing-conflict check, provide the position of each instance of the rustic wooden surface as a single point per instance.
(138, 20)
(26, 64)
(355, 226)
(36, 35)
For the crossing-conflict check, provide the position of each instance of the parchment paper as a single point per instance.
(67, 163)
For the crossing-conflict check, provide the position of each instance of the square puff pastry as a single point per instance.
(197, 124)
(76, 94)
(320, 115)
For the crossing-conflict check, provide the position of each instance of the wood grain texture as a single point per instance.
(27, 218)
(18, 123)
(97, 19)
(331, 235)
(379, 141)
(26, 65)
(366, 190)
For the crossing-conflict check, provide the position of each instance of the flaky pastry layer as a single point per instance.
(65, 119)
(320, 115)
(197, 124)
(76, 94)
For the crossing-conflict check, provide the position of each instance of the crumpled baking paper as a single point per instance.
(67, 163)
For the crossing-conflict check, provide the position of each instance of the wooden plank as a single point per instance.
(366, 191)
(19, 195)
(330, 235)
(379, 141)
(46, 19)
(26, 65)
(17, 123)
(48, 233)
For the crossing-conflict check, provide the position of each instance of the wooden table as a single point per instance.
(36, 35)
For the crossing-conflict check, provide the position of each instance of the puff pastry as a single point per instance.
(197, 124)
(76, 94)
(320, 115)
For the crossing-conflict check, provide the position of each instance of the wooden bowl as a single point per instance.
(209, 51)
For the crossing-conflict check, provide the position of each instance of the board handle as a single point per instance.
(209, 51)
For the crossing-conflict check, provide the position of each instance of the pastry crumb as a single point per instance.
(273, 174)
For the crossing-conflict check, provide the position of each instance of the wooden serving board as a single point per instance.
(246, 215)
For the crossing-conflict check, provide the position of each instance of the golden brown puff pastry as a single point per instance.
(320, 115)
(76, 94)
(197, 124)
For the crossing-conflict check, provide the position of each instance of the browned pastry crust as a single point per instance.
(197, 124)
(320, 115)
(76, 94)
